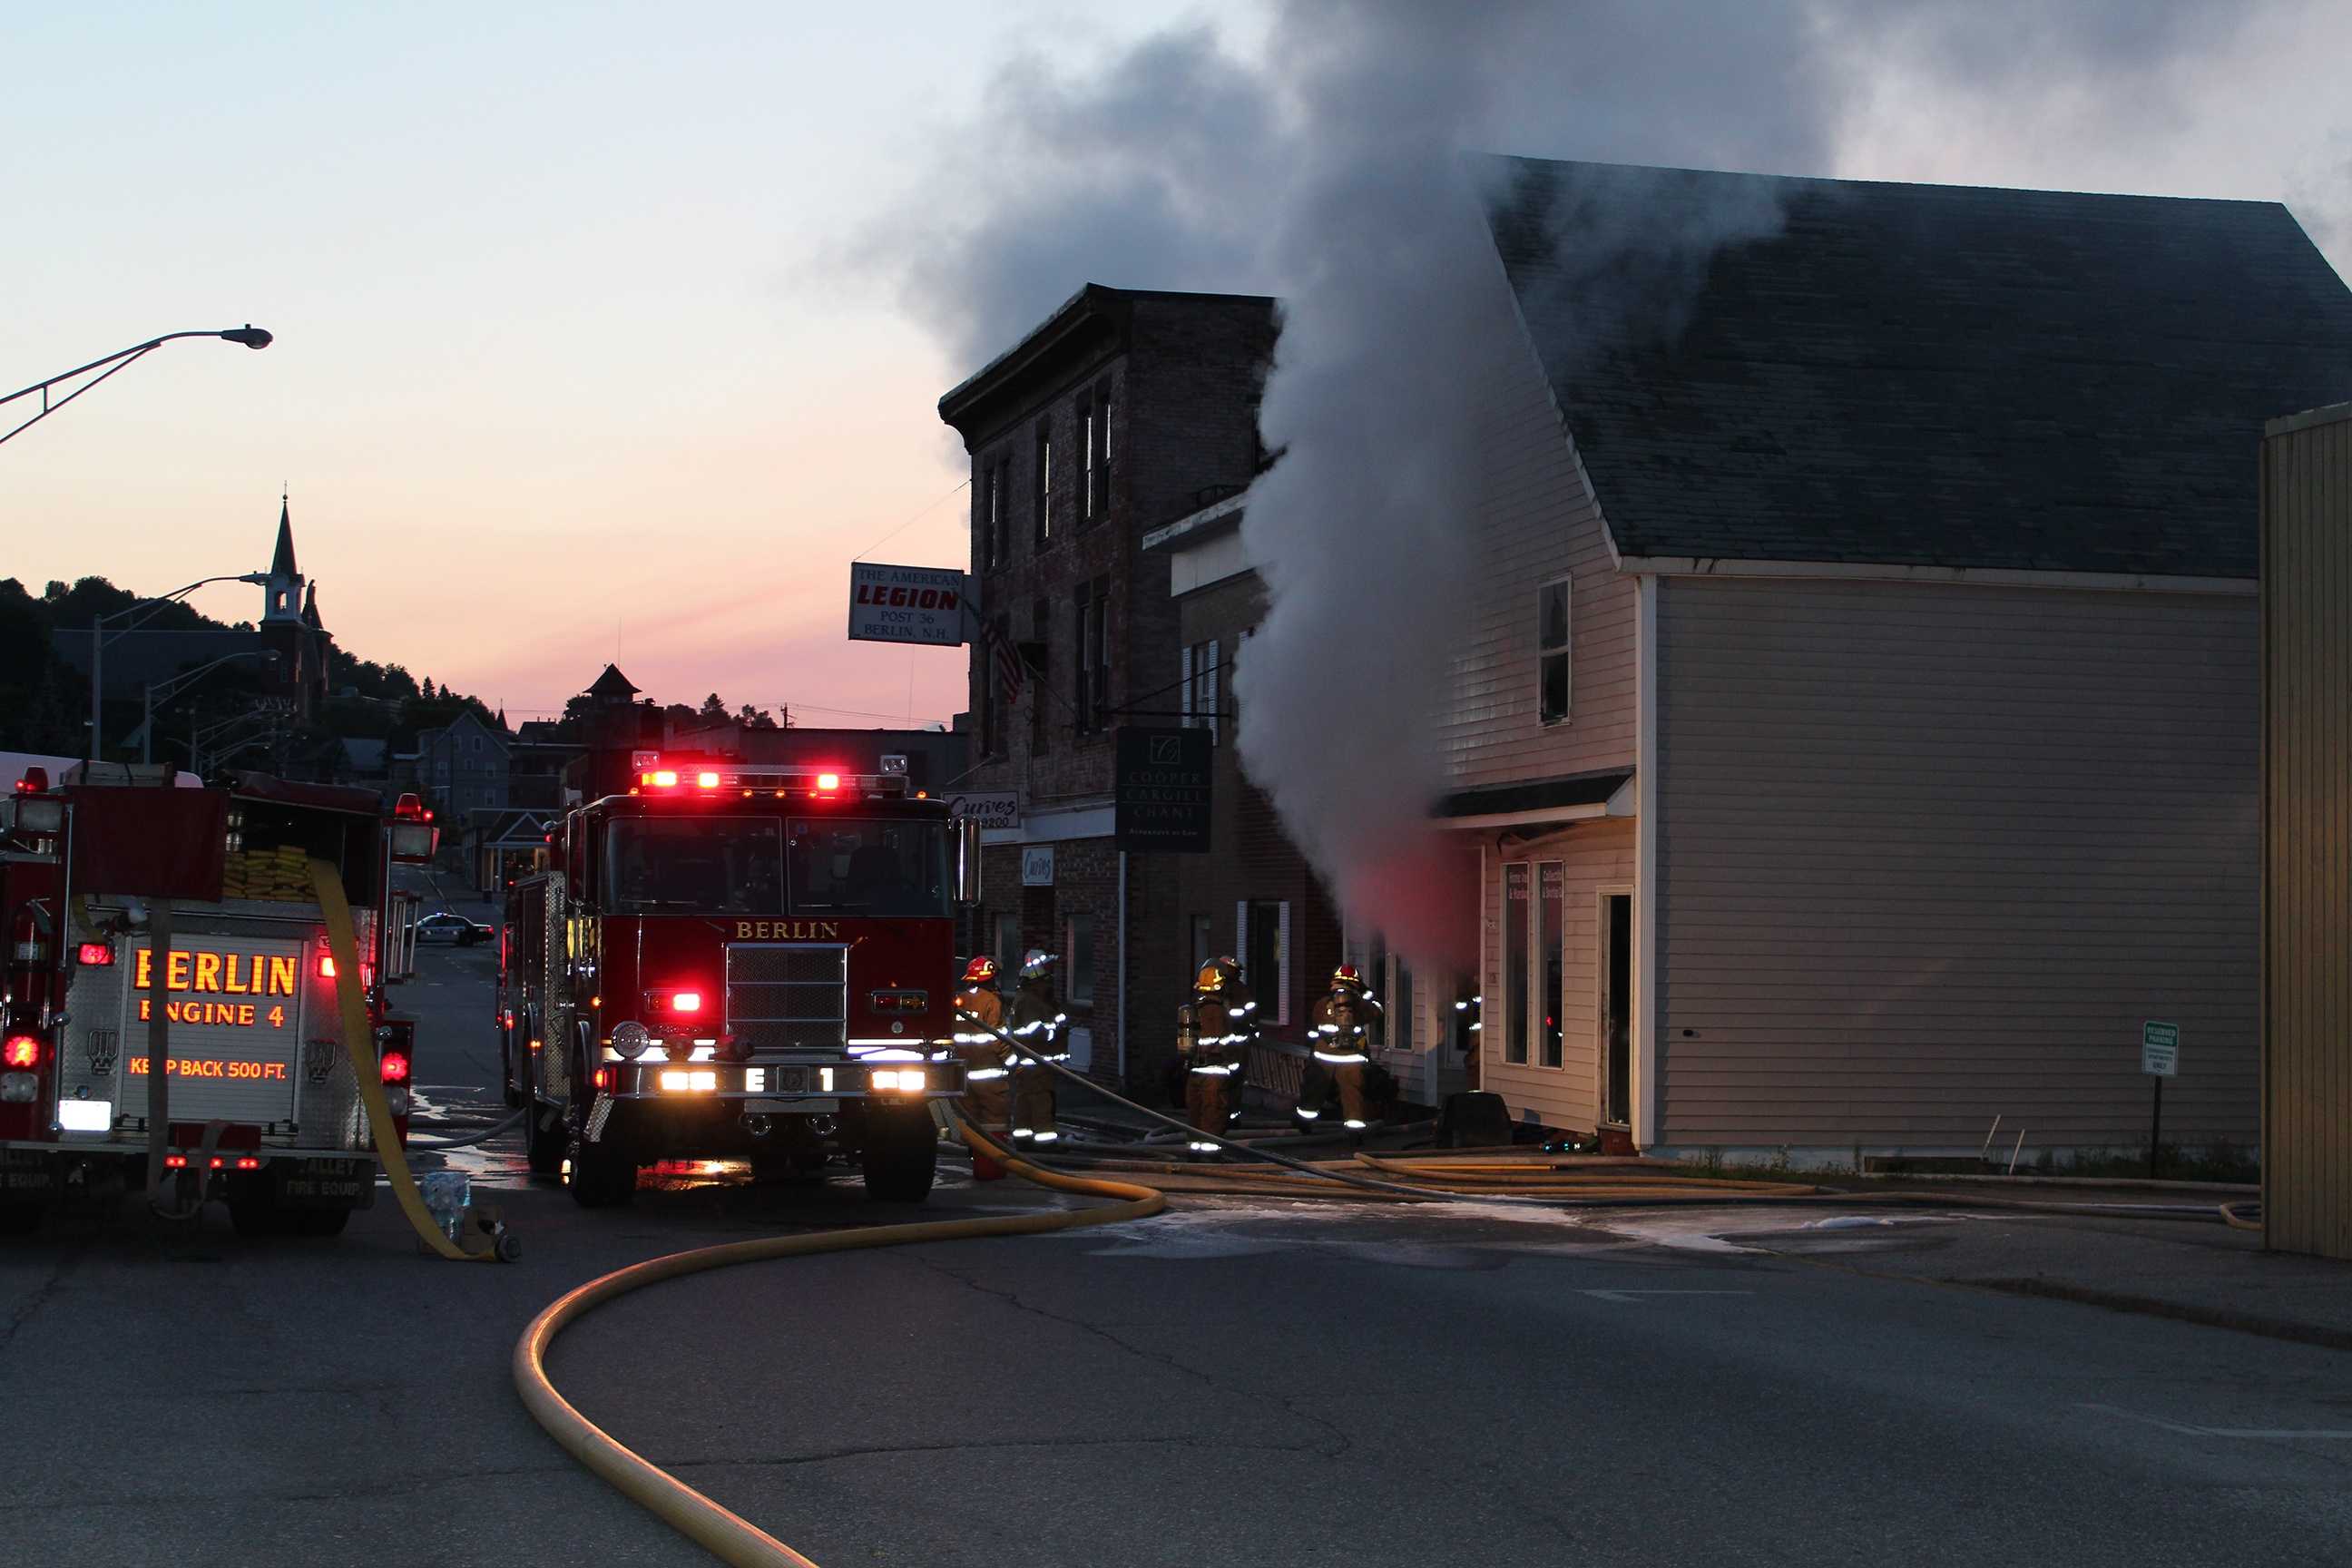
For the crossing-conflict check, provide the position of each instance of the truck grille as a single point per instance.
(788, 996)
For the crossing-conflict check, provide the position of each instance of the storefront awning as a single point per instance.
(1570, 797)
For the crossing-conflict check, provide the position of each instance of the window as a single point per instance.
(1044, 494)
(1204, 943)
(1400, 1007)
(1515, 964)
(695, 865)
(1008, 947)
(1551, 885)
(1090, 709)
(1265, 957)
(874, 868)
(992, 541)
(993, 719)
(1094, 454)
(1200, 685)
(1041, 617)
(1078, 944)
(1551, 651)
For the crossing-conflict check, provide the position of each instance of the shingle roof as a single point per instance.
(1928, 374)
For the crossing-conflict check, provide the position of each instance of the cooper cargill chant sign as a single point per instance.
(221, 974)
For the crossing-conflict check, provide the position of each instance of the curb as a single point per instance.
(2155, 1307)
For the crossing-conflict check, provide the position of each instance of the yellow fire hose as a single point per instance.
(725, 1535)
(359, 1044)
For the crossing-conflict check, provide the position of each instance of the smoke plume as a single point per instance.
(1328, 169)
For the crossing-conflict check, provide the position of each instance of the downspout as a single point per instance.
(1122, 969)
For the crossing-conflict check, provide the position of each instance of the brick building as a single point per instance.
(1123, 410)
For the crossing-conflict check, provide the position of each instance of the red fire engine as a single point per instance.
(737, 961)
(125, 897)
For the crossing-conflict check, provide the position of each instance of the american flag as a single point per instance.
(1009, 673)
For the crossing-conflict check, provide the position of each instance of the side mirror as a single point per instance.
(967, 881)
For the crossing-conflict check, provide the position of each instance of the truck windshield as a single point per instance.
(866, 866)
(695, 865)
(764, 866)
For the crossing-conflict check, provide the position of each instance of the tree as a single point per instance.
(752, 718)
(713, 709)
(428, 689)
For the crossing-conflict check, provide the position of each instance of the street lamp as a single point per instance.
(165, 690)
(98, 641)
(251, 336)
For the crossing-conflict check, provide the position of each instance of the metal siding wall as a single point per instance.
(1929, 854)
(1535, 522)
(2308, 838)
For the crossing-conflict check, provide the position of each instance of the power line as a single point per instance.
(912, 520)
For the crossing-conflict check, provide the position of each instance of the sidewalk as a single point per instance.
(2198, 1273)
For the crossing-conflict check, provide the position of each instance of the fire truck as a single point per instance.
(739, 962)
(126, 895)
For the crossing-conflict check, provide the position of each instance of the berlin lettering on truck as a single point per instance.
(230, 973)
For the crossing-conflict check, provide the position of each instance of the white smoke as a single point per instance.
(1328, 170)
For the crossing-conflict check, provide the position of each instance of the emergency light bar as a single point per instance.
(813, 782)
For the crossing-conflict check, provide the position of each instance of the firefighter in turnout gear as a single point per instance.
(1214, 1031)
(1341, 1029)
(987, 1096)
(1036, 1021)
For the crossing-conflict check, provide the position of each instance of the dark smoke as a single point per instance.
(1330, 170)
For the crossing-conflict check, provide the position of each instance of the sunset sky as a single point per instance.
(595, 327)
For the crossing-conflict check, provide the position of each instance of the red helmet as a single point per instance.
(1349, 976)
(981, 971)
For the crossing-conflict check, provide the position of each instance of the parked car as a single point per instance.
(443, 926)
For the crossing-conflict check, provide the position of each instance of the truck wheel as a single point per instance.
(20, 1219)
(255, 1214)
(510, 1079)
(320, 1223)
(901, 1154)
(601, 1176)
(542, 1147)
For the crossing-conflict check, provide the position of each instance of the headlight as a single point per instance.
(630, 1039)
(906, 1081)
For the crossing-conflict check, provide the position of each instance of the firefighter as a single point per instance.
(1036, 1020)
(1214, 1031)
(1341, 1028)
(987, 1095)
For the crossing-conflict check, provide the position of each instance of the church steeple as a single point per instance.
(284, 590)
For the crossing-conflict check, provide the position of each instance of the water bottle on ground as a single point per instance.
(448, 1194)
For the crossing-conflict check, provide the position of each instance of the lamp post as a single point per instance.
(249, 335)
(166, 689)
(98, 640)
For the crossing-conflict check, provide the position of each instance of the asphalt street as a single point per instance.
(1245, 1382)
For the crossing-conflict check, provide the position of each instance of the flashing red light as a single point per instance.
(706, 780)
(96, 955)
(34, 781)
(409, 808)
(248, 1162)
(827, 782)
(662, 778)
(685, 1000)
(21, 1051)
(175, 1161)
(326, 966)
(604, 1078)
(219, 1164)
(393, 1066)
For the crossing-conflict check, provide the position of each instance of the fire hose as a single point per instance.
(725, 1535)
(488, 1241)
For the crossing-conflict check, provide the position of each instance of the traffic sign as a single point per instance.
(2159, 1049)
